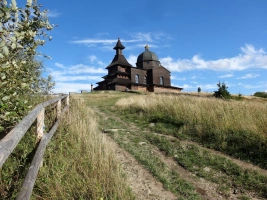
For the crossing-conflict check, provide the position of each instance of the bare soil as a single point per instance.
(142, 183)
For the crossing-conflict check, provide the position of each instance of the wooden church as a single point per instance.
(148, 75)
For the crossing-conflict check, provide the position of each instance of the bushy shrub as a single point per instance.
(260, 94)
(22, 31)
(222, 91)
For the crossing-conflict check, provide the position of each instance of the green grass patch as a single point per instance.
(14, 170)
(78, 163)
(212, 167)
(130, 141)
(237, 128)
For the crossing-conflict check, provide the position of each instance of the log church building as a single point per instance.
(148, 75)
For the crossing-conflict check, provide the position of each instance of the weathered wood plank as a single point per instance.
(58, 109)
(68, 100)
(10, 141)
(40, 125)
(27, 187)
(51, 101)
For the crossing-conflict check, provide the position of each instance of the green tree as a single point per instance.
(222, 91)
(45, 85)
(22, 31)
(260, 94)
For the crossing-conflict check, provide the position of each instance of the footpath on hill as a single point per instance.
(151, 171)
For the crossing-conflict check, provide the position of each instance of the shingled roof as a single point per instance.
(119, 45)
(120, 81)
(119, 60)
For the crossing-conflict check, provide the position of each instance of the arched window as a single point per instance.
(145, 80)
(161, 80)
(137, 78)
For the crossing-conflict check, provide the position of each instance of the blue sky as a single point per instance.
(201, 42)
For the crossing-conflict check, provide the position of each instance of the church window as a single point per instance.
(161, 81)
(145, 80)
(137, 78)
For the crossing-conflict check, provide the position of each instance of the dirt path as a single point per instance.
(143, 183)
(236, 161)
(145, 186)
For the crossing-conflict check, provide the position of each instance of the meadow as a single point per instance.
(78, 163)
(237, 128)
(166, 134)
(198, 147)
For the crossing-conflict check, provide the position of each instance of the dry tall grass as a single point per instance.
(79, 162)
(226, 125)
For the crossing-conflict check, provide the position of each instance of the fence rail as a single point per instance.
(10, 141)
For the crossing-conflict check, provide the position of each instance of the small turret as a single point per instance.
(119, 47)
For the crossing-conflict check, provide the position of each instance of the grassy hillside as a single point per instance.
(170, 135)
(238, 128)
(78, 164)
(155, 128)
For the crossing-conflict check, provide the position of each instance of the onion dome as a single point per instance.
(147, 56)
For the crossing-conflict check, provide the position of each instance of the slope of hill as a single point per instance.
(174, 149)
(121, 145)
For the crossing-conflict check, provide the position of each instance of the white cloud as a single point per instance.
(208, 86)
(252, 86)
(132, 60)
(78, 69)
(249, 76)
(149, 45)
(250, 50)
(72, 78)
(150, 37)
(146, 37)
(62, 87)
(75, 74)
(100, 63)
(92, 58)
(256, 86)
(194, 85)
(178, 78)
(95, 41)
(52, 13)
(250, 58)
(64, 78)
(138, 39)
(103, 41)
(59, 65)
(186, 86)
(226, 76)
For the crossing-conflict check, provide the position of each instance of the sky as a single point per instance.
(202, 42)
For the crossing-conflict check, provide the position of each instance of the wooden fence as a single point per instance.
(10, 141)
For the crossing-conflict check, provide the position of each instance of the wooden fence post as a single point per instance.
(58, 109)
(40, 125)
(68, 100)
(10, 141)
